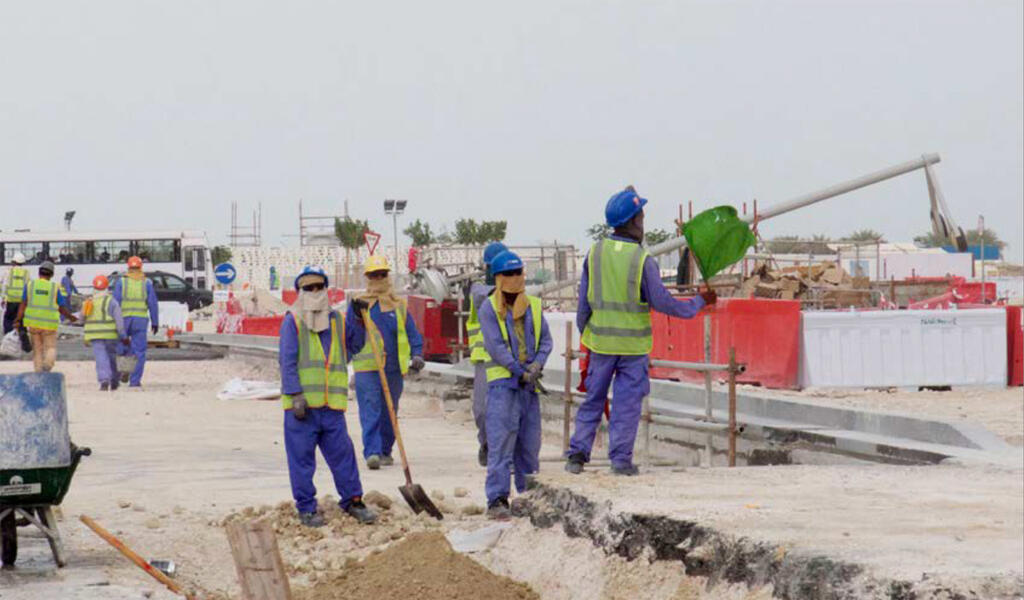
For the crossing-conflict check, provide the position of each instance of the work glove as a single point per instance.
(710, 297)
(154, 329)
(126, 341)
(299, 406)
(416, 364)
(359, 306)
(533, 374)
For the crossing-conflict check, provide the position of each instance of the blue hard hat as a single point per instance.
(505, 262)
(311, 270)
(623, 206)
(491, 250)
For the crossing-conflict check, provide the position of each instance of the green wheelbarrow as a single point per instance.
(37, 459)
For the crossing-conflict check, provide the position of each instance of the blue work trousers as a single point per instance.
(105, 354)
(323, 427)
(136, 328)
(378, 434)
(631, 384)
(480, 402)
(513, 438)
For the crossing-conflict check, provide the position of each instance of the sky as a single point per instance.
(147, 114)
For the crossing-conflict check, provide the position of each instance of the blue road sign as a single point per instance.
(225, 273)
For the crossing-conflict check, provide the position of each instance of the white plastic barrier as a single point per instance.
(903, 348)
(173, 314)
(556, 323)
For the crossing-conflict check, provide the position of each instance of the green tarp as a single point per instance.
(717, 239)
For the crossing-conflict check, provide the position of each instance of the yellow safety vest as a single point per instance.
(17, 278)
(134, 294)
(620, 322)
(100, 324)
(324, 379)
(41, 311)
(477, 351)
(364, 361)
(496, 371)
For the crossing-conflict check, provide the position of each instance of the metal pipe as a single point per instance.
(692, 366)
(707, 388)
(732, 407)
(647, 431)
(567, 408)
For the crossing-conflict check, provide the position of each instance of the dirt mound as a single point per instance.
(421, 566)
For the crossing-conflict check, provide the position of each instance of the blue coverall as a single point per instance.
(630, 373)
(513, 410)
(378, 434)
(104, 352)
(136, 329)
(480, 292)
(69, 285)
(323, 426)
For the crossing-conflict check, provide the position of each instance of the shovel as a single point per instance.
(414, 495)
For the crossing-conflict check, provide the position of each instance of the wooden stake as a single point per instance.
(260, 570)
(567, 410)
(732, 407)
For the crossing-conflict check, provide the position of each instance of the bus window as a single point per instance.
(69, 252)
(158, 251)
(201, 259)
(33, 251)
(108, 251)
(189, 252)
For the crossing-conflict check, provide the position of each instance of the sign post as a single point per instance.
(372, 238)
(981, 236)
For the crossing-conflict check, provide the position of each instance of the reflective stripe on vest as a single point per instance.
(496, 371)
(17, 277)
(100, 324)
(620, 322)
(364, 361)
(41, 311)
(134, 294)
(324, 379)
(475, 335)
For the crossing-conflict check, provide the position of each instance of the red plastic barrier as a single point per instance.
(262, 325)
(1014, 346)
(438, 324)
(765, 333)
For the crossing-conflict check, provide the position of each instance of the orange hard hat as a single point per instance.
(135, 262)
(100, 282)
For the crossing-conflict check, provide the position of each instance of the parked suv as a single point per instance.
(171, 288)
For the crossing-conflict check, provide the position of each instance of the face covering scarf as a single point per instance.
(512, 284)
(314, 309)
(380, 290)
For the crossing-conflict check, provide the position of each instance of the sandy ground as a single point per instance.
(170, 462)
(1000, 410)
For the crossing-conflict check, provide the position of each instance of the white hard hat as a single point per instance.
(19, 258)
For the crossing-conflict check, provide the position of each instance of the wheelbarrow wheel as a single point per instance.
(8, 540)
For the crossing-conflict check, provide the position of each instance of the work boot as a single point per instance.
(124, 376)
(499, 509)
(575, 463)
(114, 384)
(481, 455)
(360, 512)
(629, 470)
(386, 460)
(104, 386)
(312, 519)
(373, 462)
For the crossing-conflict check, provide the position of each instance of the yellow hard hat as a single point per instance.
(376, 262)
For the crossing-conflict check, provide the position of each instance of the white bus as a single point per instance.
(182, 253)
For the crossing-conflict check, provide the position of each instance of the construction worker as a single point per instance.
(68, 283)
(104, 327)
(14, 290)
(402, 348)
(621, 283)
(42, 305)
(314, 349)
(478, 294)
(517, 339)
(139, 308)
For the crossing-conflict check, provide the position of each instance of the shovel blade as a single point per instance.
(419, 501)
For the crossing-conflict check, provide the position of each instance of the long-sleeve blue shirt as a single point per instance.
(507, 355)
(288, 348)
(479, 293)
(151, 300)
(69, 285)
(652, 291)
(387, 325)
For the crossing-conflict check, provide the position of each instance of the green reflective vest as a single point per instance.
(17, 277)
(620, 322)
(364, 361)
(134, 294)
(477, 351)
(41, 311)
(100, 324)
(496, 371)
(324, 379)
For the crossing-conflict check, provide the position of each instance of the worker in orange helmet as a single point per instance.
(104, 326)
(140, 310)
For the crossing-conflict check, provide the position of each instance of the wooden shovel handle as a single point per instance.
(370, 328)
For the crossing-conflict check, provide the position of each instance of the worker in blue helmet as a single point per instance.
(315, 347)
(621, 284)
(518, 341)
(478, 294)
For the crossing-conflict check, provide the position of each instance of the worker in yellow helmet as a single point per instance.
(402, 346)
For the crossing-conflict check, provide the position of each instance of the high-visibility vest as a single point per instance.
(496, 371)
(17, 278)
(100, 324)
(477, 351)
(134, 294)
(41, 311)
(324, 379)
(621, 321)
(365, 361)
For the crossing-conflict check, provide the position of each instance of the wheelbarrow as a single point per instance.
(37, 459)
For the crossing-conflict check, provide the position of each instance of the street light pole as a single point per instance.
(395, 208)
